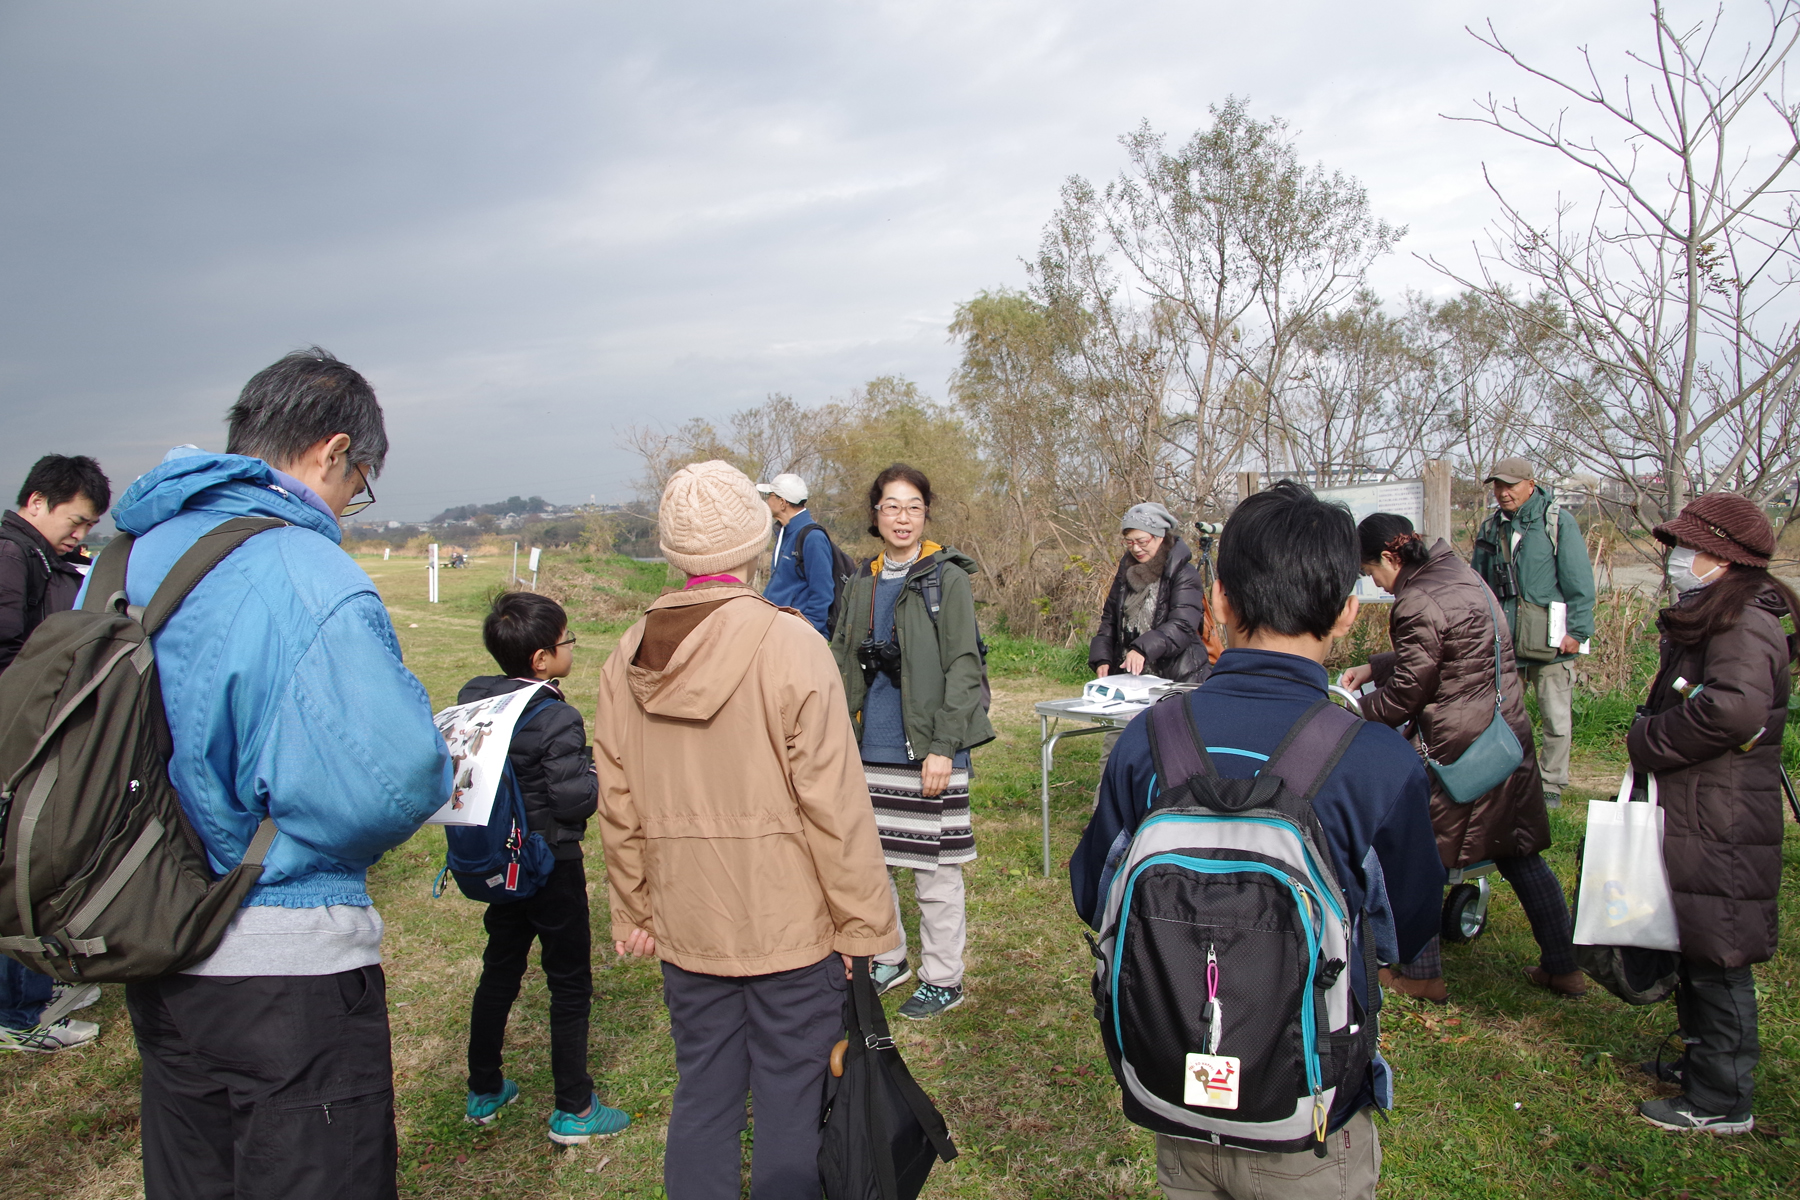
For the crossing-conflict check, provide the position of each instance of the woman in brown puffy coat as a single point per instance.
(1440, 677)
(1711, 731)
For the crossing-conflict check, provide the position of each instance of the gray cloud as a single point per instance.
(531, 224)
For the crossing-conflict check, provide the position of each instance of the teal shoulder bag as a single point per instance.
(1494, 755)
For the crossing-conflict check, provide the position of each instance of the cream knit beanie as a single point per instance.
(712, 518)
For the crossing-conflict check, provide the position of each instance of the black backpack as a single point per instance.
(931, 588)
(102, 878)
(882, 1134)
(37, 586)
(1224, 986)
(842, 568)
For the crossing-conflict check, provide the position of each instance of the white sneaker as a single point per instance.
(65, 998)
(48, 1039)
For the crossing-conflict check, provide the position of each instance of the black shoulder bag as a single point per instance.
(882, 1133)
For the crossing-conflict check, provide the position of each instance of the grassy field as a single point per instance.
(1506, 1092)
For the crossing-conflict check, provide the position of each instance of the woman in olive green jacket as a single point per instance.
(913, 678)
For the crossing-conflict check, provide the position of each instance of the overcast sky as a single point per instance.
(532, 223)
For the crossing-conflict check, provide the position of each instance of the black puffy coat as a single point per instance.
(555, 768)
(1174, 647)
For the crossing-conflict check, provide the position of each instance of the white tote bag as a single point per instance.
(1624, 898)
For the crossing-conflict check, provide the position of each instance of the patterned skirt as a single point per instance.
(918, 830)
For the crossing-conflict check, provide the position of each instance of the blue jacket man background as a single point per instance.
(813, 591)
(268, 1067)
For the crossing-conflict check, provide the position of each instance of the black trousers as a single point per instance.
(770, 1036)
(557, 917)
(1718, 1022)
(1541, 896)
(265, 1087)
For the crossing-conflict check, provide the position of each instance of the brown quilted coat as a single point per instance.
(1722, 806)
(1440, 676)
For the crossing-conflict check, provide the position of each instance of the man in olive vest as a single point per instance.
(1532, 553)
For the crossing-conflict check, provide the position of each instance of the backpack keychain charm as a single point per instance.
(1212, 1079)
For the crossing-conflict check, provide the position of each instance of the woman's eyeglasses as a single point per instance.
(1140, 543)
(356, 506)
(889, 508)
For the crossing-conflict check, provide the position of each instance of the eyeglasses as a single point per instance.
(891, 508)
(1141, 543)
(568, 641)
(356, 506)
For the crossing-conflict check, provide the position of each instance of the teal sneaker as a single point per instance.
(485, 1110)
(930, 1000)
(568, 1129)
(888, 976)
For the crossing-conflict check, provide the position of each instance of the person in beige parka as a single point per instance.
(740, 843)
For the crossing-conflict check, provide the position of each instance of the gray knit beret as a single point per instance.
(1149, 516)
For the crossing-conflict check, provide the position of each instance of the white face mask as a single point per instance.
(1681, 571)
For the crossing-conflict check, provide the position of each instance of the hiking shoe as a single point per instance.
(1552, 799)
(48, 1039)
(485, 1109)
(1572, 986)
(930, 1000)
(65, 998)
(888, 976)
(1678, 1114)
(567, 1129)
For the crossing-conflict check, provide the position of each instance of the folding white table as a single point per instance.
(1051, 713)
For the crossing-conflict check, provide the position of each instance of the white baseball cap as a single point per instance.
(788, 486)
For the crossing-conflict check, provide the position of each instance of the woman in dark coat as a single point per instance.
(1712, 734)
(1154, 619)
(1440, 677)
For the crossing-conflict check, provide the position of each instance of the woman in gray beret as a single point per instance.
(1154, 620)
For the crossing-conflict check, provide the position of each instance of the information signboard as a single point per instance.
(1403, 496)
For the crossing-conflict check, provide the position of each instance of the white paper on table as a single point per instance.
(478, 734)
(1559, 627)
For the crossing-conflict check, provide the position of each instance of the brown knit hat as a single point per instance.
(711, 518)
(1726, 526)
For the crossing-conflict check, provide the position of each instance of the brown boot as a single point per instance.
(1572, 986)
(1418, 989)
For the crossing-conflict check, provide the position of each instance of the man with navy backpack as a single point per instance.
(801, 572)
(1287, 566)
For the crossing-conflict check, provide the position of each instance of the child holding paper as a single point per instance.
(529, 637)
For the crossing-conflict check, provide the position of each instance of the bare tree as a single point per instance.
(1661, 308)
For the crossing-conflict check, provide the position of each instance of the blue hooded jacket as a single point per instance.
(283, 684)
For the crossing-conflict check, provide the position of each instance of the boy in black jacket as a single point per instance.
(529, 637)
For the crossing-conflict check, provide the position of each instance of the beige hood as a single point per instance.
(711, 660)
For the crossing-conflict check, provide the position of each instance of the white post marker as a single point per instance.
(514, 578)
(432, 571)
(535, 551)
(385, 551)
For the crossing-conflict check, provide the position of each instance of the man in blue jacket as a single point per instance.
(810, 591)
(1287, 566)
(266, 1068)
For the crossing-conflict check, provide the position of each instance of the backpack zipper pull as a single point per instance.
(1214, 1013)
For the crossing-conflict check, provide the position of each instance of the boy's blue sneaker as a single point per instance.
(485, 1110)
(567, 1129)
(930, 1000)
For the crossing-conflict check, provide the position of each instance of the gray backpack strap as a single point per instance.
(106, 578)
(1312, 748)
(194, 565)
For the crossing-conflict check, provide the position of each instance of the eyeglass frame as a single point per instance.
(1142, 543)
(355, 506)
(912, 510)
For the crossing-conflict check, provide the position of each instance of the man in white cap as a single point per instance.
(741, 847)
(800, 574)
